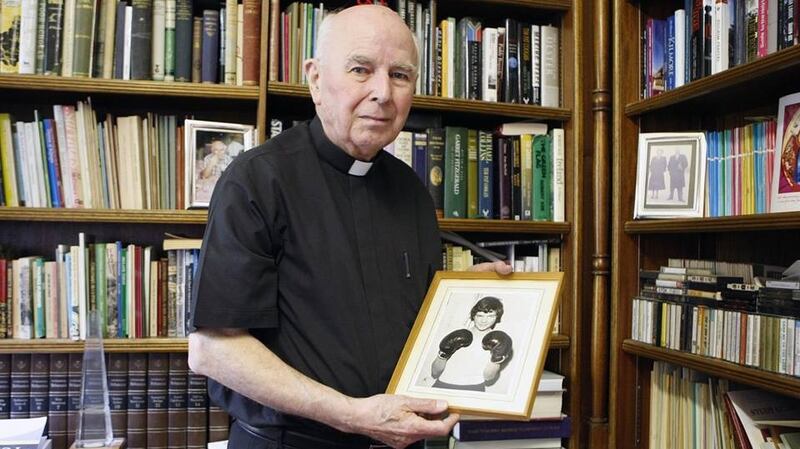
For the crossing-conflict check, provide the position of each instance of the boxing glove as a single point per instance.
(499, 344)
(454, 341)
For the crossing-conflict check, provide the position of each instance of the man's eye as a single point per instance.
(401, 76)
(359, 70)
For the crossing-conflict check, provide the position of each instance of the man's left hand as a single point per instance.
(498, 267)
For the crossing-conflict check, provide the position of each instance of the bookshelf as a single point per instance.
(728, 98)
(38, 230)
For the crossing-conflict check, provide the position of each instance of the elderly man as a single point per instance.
(317, 254)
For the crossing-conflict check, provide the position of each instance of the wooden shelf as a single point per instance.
(449, 104)
(200, 216)
(756, 222)
(11, 346)
(773, 64)
(766, 380)
(128, 87)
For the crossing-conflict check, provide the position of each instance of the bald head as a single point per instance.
(377, 17)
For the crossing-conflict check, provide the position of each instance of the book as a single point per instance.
(528, 443)
(455, 172)
(483, 430)
(141, 52)
(177, 400)
(157, 396)
(58, 399)
(137, 401)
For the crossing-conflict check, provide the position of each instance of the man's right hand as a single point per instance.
(454, 341)
(399, 420)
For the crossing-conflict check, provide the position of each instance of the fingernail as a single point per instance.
(441, 404)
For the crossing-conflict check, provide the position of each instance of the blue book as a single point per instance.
(658, 70)
(53, 165)
(710, 181)
(121, 284)
(670, 52)
(485, 175)
(419, 156)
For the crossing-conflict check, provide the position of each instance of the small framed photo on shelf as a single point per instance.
(210, 148)
(480, 341)
(786, 173)
(670, 175)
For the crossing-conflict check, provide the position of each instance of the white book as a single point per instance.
(33, 160)
(403, 149)
(85, 162)
(536, 63)
(550, 70)
(157, 47)
(40, 162)
(680, 48)
(230, 41)
(419, 32)
(239, 45)
(22, 306)
(63, 291)
(23, 155)
(559, 189)
(772, 25)
(126, 52)
(489, 73)
(63, 157)
(67, 38)
(27, 37)
(82, 281)
(790, 344)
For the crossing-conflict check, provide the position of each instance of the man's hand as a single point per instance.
(498, 267)
(399, 420)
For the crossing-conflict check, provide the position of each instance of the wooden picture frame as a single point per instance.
(670, 175)
(210, 148)
(512, 348)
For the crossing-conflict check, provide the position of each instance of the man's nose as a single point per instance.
(381, 86)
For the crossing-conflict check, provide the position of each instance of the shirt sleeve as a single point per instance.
(236, 284)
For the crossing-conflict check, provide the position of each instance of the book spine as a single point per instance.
(119, 41)
(5, 386)
(511, 62)
(27, 37)
(420, 156)
(489, 65)
(219, 423)
(455, 172)
(41, 32)
(5, 296)
(485, 175)
(137, 401)
(230, 42)
(435, 164)
(500, 430)
(550, 69)
(251, 42)
(141, 39)
(526, 177)
(543, 164)
(210, 46)
(68, 38)
(473, 59)
(526, 77)
(274, 39)
(516, 178)
(10, 29)
(158, 36)
(170, 56)
(177, 398)
(536, 64)
(20, 386)
(503, 162)
(472, 174)
(196, 412)
(58, 392)
(559, 196)
(118, 392)
(40, 385)
(157, 411)
(183, 40)
(197, 49)
(99, 44)
(84, 34)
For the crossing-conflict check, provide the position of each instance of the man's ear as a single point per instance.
(311, 69)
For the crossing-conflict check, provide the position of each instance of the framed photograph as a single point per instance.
(670, 175)
(480, 341)
(210, 148)
(785, 173)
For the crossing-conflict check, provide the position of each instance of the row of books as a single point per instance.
(514, 62)
(475, 174)
(155, 400)
(73, 160)
(768, 342)
(698, 412)
(739, 167)
(141, 40)
(706, 37)
(135, 293)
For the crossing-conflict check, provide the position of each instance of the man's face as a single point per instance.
(364, 82)
(485, 320)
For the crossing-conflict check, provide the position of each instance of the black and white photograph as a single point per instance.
(479, 341)
(670, 175)
(211, 147)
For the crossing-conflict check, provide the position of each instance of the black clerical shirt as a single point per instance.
(325, 260)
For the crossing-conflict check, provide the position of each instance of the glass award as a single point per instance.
(94, 414)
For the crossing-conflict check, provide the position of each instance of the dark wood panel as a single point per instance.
(743, 223)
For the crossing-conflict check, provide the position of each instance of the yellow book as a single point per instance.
(445, 57)
(7, 160)
(10, 18)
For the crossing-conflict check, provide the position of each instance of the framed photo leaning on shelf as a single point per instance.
(670, 175)
(210, 148)
(785, 174)
(480, 341)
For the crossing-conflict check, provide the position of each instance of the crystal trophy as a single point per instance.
(94, 415)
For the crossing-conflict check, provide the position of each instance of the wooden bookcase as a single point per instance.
(722, 100)
(37, 231)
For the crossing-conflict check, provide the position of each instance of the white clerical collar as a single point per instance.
(359, 168)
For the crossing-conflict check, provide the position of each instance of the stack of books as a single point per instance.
(544, 430)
